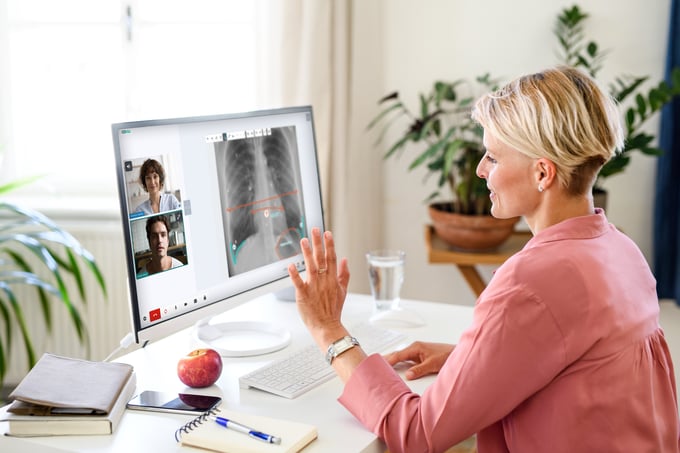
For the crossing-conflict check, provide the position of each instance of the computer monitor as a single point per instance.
(237, 193)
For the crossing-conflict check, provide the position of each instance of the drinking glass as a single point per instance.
(386, 275)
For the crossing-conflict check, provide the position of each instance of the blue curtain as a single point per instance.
(667, 202)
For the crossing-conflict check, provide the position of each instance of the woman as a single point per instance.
(565, 352)
(152, 178)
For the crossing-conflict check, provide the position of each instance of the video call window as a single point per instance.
(159, 243)
(152, 185)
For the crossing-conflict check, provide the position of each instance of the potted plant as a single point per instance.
(453, 147)
(35, 252)
(639, 106)
(452, 141)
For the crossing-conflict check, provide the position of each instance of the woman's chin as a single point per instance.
(499, 214)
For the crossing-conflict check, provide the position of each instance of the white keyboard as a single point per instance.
(306, 368)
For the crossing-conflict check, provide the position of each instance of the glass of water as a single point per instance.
(386, 276)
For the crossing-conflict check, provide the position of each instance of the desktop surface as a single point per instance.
(338, 430)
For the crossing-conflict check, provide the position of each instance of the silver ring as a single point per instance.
(321, 271)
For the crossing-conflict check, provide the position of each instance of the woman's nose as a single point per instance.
(480, 169)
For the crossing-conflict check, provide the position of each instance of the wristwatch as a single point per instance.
(338, 347)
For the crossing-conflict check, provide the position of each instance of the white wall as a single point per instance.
(405, 45)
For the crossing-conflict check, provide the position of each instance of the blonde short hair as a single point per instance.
(560, 114)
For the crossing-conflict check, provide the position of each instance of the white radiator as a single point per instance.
(107, 319)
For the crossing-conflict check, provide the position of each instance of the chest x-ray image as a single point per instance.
(262, 206)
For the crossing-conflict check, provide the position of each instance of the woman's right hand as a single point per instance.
(427, 357)
(320, 297)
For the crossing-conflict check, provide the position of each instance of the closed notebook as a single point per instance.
(67, 385)
(207, 434)
(70, 424)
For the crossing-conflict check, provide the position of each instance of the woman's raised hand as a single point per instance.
(321, 296)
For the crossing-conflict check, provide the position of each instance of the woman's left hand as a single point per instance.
(427, 358)
(321, 297)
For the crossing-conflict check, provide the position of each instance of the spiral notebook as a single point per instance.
(205, 433)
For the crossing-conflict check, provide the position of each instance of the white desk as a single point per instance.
(155, 366)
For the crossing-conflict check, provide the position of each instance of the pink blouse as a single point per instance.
(565, 354)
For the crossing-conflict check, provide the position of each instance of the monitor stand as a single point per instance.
(242, 338)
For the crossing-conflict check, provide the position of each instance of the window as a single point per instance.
(76, 66)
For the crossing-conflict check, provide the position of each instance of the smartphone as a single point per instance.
(177, 403)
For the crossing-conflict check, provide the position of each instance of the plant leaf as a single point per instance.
(6, 345)
(30, 278)
(399, 144)
(641, 105)
(675, 80)
(626, 87)
(15, 309)
(382, 114)
(19, 183)
(432, 150)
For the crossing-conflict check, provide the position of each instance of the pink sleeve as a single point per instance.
(499, 362)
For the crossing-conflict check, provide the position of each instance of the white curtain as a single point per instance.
(307, 59)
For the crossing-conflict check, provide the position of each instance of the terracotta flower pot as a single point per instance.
(470, 232)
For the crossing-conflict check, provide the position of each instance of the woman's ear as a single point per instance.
(545, 173)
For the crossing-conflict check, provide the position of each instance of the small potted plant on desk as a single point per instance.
(450, 147)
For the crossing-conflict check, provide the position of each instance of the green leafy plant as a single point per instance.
(35, 252)
(452, 141)
(639, 105)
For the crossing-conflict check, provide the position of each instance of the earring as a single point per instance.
(540, 188)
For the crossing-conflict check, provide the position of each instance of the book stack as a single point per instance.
(65, 396)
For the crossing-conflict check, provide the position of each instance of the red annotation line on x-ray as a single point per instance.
(241, 206)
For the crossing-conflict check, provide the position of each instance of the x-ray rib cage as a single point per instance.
(261, 197)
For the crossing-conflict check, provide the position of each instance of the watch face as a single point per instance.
(342, 344)
(339, 347)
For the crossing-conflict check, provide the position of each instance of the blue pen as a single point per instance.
(231, 424)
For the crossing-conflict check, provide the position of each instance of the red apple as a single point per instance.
(200, 368)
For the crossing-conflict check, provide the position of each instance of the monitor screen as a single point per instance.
(213, 211)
